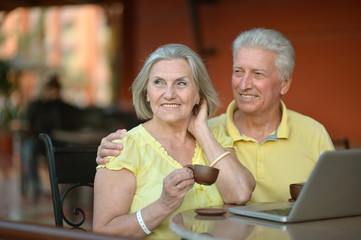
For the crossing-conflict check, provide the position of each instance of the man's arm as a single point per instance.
(109, 148)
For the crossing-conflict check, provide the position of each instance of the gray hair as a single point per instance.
(270, 40)
(171, 52)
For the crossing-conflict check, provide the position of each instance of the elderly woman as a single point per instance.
(136, 192)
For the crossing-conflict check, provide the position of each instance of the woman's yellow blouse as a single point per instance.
(150, 163)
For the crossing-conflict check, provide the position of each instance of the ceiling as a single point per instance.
(9, 5)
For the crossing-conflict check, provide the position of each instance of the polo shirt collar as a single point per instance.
(232, 130)
(284, 128)
(281, 132)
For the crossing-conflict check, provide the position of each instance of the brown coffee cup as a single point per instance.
(295, 190)
(203, 174)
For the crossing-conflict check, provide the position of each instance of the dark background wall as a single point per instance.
(326, 35)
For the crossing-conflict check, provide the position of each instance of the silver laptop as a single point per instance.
(332, 190)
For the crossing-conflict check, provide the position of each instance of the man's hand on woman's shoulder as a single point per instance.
(109, 148)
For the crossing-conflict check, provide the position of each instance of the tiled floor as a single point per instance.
(18, 207)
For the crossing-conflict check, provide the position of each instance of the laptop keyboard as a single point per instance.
(279, 211)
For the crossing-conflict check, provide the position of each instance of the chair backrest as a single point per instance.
(341, 143)
(73, 167)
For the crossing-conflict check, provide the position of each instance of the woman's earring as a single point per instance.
(148, 100)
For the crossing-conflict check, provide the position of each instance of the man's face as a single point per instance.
(256, 83)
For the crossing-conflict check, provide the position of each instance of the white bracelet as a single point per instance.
(142, 224)
(219, 158)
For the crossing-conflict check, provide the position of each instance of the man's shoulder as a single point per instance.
(218, 121)
(305, 122)
(310, 131)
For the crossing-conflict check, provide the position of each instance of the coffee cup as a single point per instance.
(295, 189)
(203, 174)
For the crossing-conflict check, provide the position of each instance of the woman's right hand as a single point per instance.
(199, 119)
(109, 148)
(175, 187)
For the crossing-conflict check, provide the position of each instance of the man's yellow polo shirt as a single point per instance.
(286, 156)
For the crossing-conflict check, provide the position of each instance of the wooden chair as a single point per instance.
(73, 167)
(341, 143)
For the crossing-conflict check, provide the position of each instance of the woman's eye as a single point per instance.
(182, 83)
(157, 82)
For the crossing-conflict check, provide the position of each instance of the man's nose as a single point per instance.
(246, 82)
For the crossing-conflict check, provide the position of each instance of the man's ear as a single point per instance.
(285, 85)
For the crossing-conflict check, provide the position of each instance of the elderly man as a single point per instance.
(279, 146)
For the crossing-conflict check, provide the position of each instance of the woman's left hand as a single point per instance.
(199, 118)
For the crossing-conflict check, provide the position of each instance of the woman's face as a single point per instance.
(172, 91)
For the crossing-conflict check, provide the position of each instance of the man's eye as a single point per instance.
(237, 72)
(258, 74)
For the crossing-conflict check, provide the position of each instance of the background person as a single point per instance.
(43, 115)
(136, 192)
(279, 146)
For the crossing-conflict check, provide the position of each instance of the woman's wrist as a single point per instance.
(142, 223)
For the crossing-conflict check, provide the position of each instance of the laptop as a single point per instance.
(332, 190)
(343, 228)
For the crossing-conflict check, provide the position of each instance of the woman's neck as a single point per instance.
(160, 130)
(176, 140)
